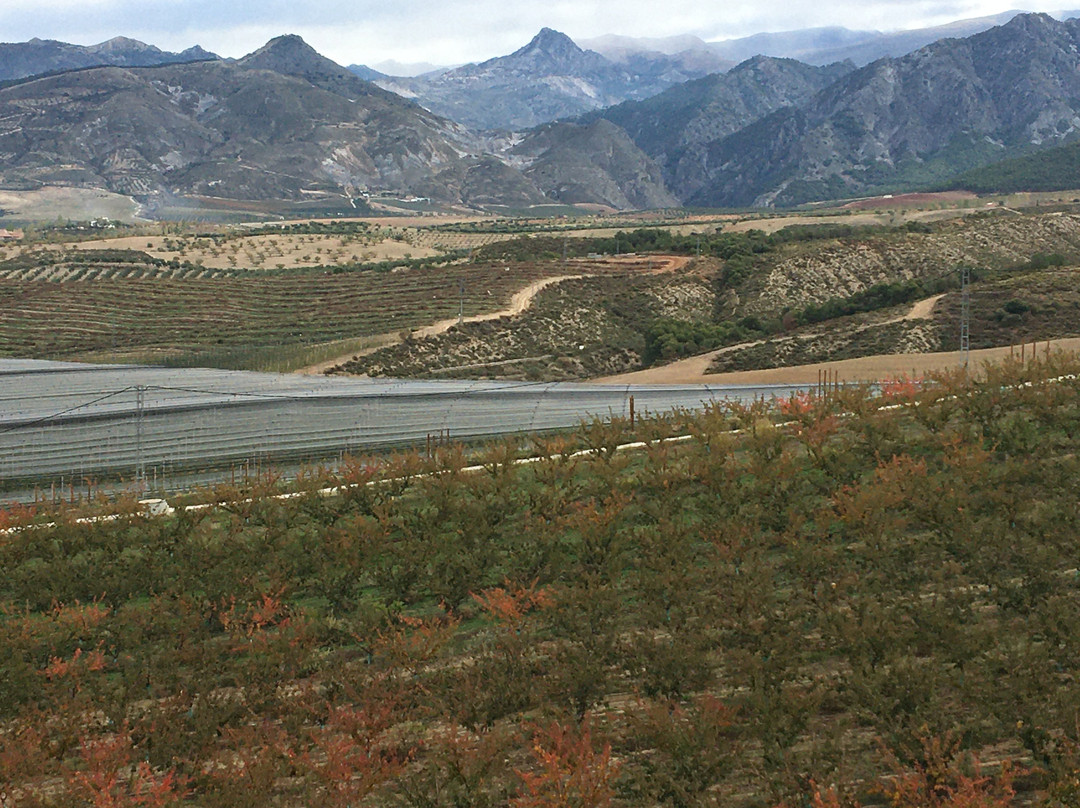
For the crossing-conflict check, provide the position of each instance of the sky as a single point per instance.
(450, 32)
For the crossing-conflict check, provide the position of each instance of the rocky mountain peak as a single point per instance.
(290, 55)
(289, 48)
(123, 44)
(197, 53)
(1033, 21)
(552, 42)
(550, 49)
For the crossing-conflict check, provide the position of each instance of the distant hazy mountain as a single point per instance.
(901, 43)
(392, 67)
(804, 44)
(677, 127)
(547, 79)
(367, 73)
(821, 46)
(947, 108)
(39, 56)
(689, 53)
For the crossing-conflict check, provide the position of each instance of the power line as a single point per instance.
(55, 415)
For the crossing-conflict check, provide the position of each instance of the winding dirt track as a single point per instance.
(518, 304)
(863, 369)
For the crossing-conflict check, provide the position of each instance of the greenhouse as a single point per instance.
(73, 421)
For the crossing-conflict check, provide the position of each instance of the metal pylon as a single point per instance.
(965, 313)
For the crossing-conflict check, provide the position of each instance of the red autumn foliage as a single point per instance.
(569, 770)
(109, 777)
(510, 605)
(351, 756)
(946, 778)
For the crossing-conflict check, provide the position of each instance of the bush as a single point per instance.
(667, 338)
(1016, 307)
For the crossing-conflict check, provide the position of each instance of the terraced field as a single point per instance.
(279, 251)
(233, 321)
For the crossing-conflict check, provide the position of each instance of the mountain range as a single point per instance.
(678, 127)
(547, 79)
(275, 124)
(37, 57)
(286, 123)
(907, 122)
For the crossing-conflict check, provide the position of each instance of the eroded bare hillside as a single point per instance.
(810, 295)
(576, 329)
(815, 272)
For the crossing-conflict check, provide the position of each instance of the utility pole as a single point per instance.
(140, 468)
(965, 313)
(461, 303)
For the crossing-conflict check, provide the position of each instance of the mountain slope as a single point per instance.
(676, 127)
(953, 105)
(596, 162)
(278, 124)
(547, 79)
(1054, 169)
(20, 60)
(286, 123)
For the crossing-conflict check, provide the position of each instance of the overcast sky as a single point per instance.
(452, 31)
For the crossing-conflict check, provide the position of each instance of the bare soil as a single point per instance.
(917, 200)
(75, 204)
(863, 369)
(518, 303)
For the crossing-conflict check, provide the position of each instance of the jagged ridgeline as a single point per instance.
(285, 123)
(896, 124)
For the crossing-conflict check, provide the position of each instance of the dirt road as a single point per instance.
(518, 303)
(923, 309)
(693, 370)
(866, 368)
(863, 369)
